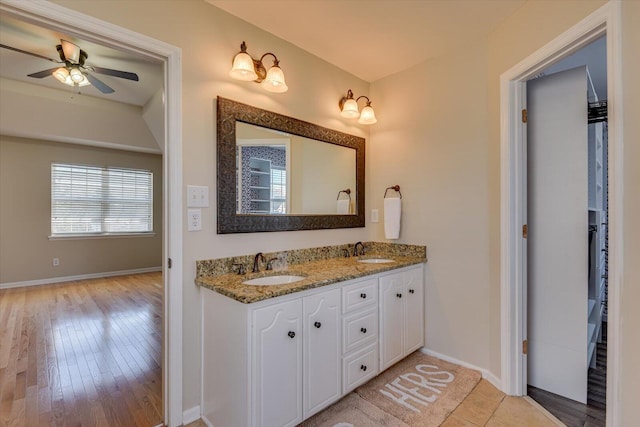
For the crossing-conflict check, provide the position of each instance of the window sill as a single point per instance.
(100, 236)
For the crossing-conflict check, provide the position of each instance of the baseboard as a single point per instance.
(486, 374)
(191, 415)
(207, 422)
(78, 277)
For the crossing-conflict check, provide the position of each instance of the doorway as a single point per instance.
(603, 21)
(566, 243)
(83, 26)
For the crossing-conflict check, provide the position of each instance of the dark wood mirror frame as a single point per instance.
(228, 113)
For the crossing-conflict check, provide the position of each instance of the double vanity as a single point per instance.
(281, 345)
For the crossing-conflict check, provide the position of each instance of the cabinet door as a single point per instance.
(321, 378)
(391, 319)
(414, 311)
(277, 365)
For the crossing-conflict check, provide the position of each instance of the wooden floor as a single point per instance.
(85, 353)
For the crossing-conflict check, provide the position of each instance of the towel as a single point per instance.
(392, 212)
(343, 206)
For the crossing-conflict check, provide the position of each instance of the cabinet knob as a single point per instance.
(411, 291)
(399, 295)
(363, 296)
(291, 334)
(363, 367)
(317, 324)
(363, 330)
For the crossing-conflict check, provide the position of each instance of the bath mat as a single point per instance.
(352, 411)
(420, 390)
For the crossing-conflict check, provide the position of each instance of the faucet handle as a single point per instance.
(346, 253)
(240, 266)
(270, 263)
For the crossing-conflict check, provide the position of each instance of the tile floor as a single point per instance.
(488, 406)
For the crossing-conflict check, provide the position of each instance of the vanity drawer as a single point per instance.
(359, 368)
(359, 329)
(360, 295)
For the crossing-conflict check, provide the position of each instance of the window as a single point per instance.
(278, 190)
(90, 200)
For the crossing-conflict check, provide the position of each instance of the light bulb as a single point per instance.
(61, 74)
(76, 75)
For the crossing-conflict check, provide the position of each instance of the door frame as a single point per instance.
(56, 17)
(513, 182)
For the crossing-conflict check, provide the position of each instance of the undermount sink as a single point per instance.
(376, 260)
(282, 279)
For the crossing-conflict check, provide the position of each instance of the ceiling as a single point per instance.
(374, 39)
(43, 41)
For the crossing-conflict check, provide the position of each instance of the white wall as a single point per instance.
(209, 39)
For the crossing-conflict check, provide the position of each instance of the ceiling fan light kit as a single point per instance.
(73, 71)
(247, 69)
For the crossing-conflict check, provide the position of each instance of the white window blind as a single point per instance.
(278, 190)
(89, 200)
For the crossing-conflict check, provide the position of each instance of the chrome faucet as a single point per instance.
(256, 262)
(355, 249)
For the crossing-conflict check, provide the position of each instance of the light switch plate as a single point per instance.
(197, 196)
(374, 215)
(194, 219)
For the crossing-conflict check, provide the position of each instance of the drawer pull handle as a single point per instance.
(291, 334)
(317, 324)
(363, 330)
(411, 291)
(363, 367)
(363, 296)
(399, 295)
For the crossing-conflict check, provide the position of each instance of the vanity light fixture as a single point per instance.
(247, 69)
(349, 109)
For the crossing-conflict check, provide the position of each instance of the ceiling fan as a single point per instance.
(74, 72)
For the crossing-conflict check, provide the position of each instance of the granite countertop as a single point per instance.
(317, 273)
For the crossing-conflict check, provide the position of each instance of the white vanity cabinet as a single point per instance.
(321, 353)
(401, 315)
(277, 362)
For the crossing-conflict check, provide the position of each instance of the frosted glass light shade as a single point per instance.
(350, 109)
(61, 74)
(243, 68)
(64, 76)
(76, 75)
(274, 82)
(368, 116)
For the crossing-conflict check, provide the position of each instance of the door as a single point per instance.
(414, 312)
(558, 233)
(391, 314)
(321, 313)
(277, 364)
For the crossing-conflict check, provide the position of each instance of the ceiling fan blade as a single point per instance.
(71, 51)
(101, 86)
(43, 73)
(15, 49)
(115, 73)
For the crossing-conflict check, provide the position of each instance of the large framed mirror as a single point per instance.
(277, 173)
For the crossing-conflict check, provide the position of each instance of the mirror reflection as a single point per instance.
(278, 173)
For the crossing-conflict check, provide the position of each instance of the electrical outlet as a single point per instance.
(374, 215)
(194, 219)
(56, 262)
(197, 196)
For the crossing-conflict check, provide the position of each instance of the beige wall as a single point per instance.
(209, 38)
(431, 139)
(26, 253)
